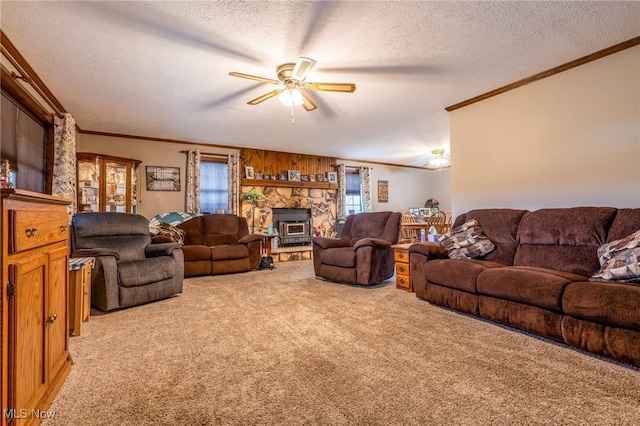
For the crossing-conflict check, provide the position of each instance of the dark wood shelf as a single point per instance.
(289, 184)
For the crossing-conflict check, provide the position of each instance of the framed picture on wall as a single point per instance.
(383, 191)
(163, 178)
(332, 177)
(248, 172)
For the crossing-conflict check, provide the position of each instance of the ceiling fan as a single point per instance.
(291, 79)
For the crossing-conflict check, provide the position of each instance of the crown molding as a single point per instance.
(548, 73)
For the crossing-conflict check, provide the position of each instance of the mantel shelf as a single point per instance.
(289, 184)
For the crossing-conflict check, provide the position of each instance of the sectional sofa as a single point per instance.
(537, 278)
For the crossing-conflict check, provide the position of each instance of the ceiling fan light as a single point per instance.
(439, 159)
(291, 97)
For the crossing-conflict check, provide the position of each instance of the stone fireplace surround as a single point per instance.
(322, 203)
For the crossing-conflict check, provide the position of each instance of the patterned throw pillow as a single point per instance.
(467, 241)
(170, 231)
(172, 218)
(619, 260)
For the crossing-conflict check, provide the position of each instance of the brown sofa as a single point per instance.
(537, 278)
(219, 244)
(363, 253)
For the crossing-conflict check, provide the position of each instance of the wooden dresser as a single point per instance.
(35, 342)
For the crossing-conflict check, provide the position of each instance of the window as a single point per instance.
(23, 144)
(353, 202)
(214, 185)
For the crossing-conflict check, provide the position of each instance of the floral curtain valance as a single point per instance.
(193, 182)
(342, 192)
(234, 183)
(365, 188)
(64, 161)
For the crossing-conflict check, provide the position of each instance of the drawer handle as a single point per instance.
(401, 255)
(63, 228)
(52, 318)
(31, 232)
(401, 269)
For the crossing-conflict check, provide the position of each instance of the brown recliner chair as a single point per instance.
(363, 253)
(219, 244)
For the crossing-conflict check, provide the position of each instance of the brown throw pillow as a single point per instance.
(467, 241)
(619, 260)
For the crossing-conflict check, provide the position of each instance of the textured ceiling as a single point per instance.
(160, 69)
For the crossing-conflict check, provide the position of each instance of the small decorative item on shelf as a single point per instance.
(294, 175)
(431, 203)
(312, 178)
(248, 172)
(304, 178)
(259, 176)
(4, 174)
(320, 177)
(282, 176)
(332, 177)
(274, 177)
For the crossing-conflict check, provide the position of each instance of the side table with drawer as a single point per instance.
(79, 293)
(401, 257)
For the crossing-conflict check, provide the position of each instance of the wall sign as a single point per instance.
(163, 178)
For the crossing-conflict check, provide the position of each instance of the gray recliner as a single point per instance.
(129, 270)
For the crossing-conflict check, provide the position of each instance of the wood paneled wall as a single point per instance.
(274, 162)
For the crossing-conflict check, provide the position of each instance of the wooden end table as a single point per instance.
(79, 293)
(401, 257)
(266, 242)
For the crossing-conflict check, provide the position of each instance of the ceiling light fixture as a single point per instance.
(291, 97)
(439, 160)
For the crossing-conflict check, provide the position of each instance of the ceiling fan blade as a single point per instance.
(307, 103)
(264, 97)
(302, 68)
(254, 77)
(332, 87)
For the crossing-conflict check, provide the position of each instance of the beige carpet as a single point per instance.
(284, 348)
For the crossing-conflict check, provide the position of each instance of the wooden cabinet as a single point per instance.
(35, 343)
(107, 183)
(401, 257)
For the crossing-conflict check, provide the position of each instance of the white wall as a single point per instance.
(408, 187)
(568, 140)
(151, 153)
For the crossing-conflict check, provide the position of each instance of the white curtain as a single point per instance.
(193, 182)
(234, 183)
(64, 161)
(342, 192)
(365, 188)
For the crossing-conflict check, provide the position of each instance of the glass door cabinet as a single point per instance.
(107, 183)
